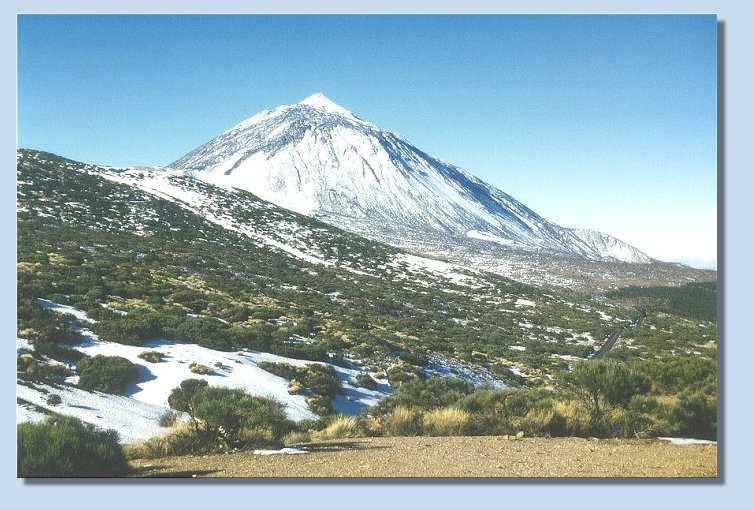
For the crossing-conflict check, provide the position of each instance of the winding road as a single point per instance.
(614, 334)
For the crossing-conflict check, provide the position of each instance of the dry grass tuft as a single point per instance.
(446, 421)
(404, 421)
(341, 427)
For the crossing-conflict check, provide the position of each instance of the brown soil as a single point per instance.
(451, 457)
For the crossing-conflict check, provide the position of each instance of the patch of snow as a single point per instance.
(439, 366)
(64, 309)
(686, 440)
(23, 345)
(484, 236)
(282, 451)
(134, 420)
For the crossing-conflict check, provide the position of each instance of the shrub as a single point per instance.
(413, 358)
(295, 387)
(222, 418)
(200, 369)
(35, 370)
(399, 374)
(183, 440)
(181, 397)
(446, 421)
(320, 379)
(602, 384)
(151, 356)
(506, 411)
(426, 394)
(24, 361)
(340, 427)
(226, 412)
(319, 404)
(296, 437)
(65, 447)
(257, 436)
(542, 421)
(168, 418)
(54, 400)
(403, 421)
(575, 420)
(366, 381)
(695, 415)
(109, 374)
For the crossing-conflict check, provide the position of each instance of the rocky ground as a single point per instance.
(451, 457)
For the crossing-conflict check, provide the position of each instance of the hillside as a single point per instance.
(146, 259)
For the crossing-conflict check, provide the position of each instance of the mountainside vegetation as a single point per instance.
(146, 266)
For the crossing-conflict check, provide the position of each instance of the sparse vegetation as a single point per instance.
(194, 281)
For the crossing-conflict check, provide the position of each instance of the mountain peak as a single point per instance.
(321, 102)
(317, 158)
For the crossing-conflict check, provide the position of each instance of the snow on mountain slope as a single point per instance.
(319, 159)
(228, 207)
(610, 247)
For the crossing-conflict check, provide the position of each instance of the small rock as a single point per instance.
(520, 435)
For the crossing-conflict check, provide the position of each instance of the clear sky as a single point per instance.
(603, 122)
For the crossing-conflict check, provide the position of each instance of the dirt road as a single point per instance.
(454, 457)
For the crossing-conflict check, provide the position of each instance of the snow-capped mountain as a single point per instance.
(317, 158)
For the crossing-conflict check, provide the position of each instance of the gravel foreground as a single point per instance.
(454, 457)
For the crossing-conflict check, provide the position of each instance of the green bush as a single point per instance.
(229, 414)
(109, 374)
(320, 379)
(319, 404)
(403, 373)
(366, 381)
(181, 398)
(426, 394)
(225, 418)
(695, 415)
(65, 447)
(168, 418)
(601, 385)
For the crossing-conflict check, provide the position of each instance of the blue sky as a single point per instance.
(604, 122)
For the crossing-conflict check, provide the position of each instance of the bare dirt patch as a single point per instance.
(454, 457)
